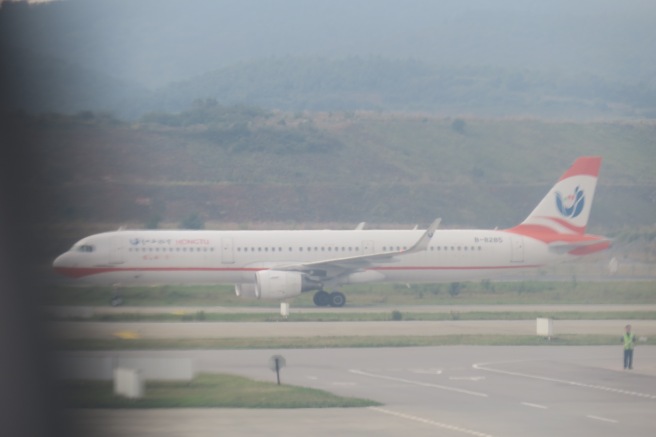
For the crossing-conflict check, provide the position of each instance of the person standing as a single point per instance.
(629, 343)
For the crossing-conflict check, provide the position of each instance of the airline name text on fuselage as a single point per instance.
(170, 242)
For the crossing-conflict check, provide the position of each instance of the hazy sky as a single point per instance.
(157, 41)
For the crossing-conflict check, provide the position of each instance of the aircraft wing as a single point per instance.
(331, 268)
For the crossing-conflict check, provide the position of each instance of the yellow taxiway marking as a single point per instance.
(126, 335)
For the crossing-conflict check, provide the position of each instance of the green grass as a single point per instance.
(335, 342)
(471, 293)
(207, 391)
(202, 316)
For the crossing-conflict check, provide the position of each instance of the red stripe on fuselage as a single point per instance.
(548, 235)
(538, 231)
(564, 223)
(77, 272)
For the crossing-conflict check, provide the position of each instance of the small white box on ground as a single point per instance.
(128, 383)
(284, 309)
(545, 327)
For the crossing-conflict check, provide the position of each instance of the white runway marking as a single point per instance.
(466, 378)
(528, 404)
(603, 419)
(427, 371)
(430, 422)
(419, 383)
(481, 366)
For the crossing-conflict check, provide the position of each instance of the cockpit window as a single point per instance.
(85, 248)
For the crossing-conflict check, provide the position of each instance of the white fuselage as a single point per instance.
(284, 264)
(230, 257)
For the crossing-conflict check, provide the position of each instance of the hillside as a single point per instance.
(249, 165)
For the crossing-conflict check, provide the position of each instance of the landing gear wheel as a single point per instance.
(337, 299)
(322, 299)
(117, 299)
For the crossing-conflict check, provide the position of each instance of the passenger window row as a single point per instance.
(456, 248)
(87, 248)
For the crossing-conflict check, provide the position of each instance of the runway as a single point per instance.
(446, 391)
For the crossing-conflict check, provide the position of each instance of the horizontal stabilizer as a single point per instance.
(580, 247)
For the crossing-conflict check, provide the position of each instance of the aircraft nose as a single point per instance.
(62, 264)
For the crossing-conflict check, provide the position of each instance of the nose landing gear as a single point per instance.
(335, 299)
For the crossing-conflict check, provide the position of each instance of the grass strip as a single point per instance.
(468, 293)
(202, 316)
(207, 391)
(338, 342)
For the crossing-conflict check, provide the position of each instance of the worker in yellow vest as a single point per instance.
(628, 340)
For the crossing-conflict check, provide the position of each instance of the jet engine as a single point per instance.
(276, 284)
(246, 291)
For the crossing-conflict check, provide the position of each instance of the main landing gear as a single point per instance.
(324, 299)
(117, 298)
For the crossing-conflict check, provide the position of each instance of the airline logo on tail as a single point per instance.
(566, 207)
(572, 205)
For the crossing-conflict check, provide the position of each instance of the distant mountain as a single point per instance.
(374, 83)
(37, 84)
(590, 58)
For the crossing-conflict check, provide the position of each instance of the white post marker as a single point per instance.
(284, 309)
(128, 383)
(545, 327)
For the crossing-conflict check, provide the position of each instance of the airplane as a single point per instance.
(282, 264)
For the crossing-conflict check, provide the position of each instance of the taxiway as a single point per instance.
(447, 391)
